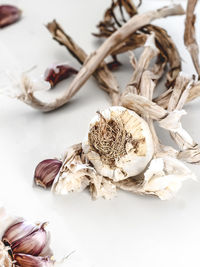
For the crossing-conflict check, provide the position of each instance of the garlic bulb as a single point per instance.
(118, 144)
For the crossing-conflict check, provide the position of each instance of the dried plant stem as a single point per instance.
(163, 99)
(103, 76)
(149, 52)
(168, 50)
(96, 58)
(189, 34)
(190, 150)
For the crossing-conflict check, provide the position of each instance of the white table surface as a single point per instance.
(128, 231)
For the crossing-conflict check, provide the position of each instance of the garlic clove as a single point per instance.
(18, 230)
(46, 172)
(118, 144)
(31, 261)
(8, 15)
(33, 243)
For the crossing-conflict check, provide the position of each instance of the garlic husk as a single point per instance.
(77, 173)
(31, 261)
(73, 173)
(163, 178)
(123, 153)
(5, 220)
(5, 259)
(102, 187)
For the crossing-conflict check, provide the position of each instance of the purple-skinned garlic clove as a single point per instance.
(25, 237)
(31, 261)
(57, 73)
(9, 15)
(32, 244)
(18, 230)
(46, 171)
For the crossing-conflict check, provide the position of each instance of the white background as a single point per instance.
(128, 231)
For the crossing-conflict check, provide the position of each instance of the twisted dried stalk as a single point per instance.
(168, 50)
(96, 58)
(104, 77)
(170, 118)
(156, 179)
(163, 99)
(189, 34)
(149, 52)
(190, 150)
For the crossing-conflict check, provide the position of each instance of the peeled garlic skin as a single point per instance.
(132, 163)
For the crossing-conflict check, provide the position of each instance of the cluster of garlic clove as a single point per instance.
(24, 244)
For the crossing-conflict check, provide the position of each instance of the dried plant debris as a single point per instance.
(9, 15)
(24, 244)
(58, 72)
(103, 76)
(94, 61)
(168, 50)
(190, 35)
(121, 149)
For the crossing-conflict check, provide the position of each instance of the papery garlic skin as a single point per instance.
(76, 174)
(73, 175)
(136, 158)
(5, 220)
(164, 177)
(5, 259)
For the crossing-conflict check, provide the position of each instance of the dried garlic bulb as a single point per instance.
(118, 144)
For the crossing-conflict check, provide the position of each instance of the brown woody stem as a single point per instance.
(96, 58)
(189, 34)
(104, 77)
